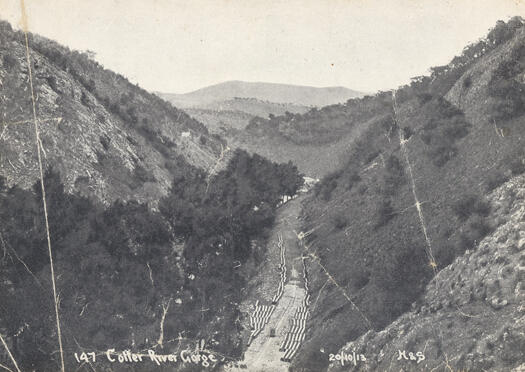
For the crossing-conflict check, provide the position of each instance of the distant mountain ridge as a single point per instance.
(227, 109)
(272, 92)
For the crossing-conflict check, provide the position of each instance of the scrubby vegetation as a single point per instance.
(119, 267)
(508, 88)
(322, 125)
(404, 224)
(468, 205)
(442, 126)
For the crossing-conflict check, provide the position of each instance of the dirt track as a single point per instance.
(263, 353)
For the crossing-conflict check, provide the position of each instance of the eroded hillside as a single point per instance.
(107, 137)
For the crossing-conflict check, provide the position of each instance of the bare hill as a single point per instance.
(277, 93)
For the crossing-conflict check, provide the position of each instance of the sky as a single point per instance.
(182, 45)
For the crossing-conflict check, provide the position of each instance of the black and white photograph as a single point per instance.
(262, 186)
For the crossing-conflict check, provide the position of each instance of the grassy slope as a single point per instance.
(381, 263)
(235, 114)
(317, 140)
(479, 294)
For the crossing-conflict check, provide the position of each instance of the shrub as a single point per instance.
(351, 179)
(473, 233)
(52, 82)
(142, 174)
(9, 62)
(84, 99)
(105, 141)
(467, 82)
(361, 277)
(517, 166)
(101, 157)
(442, 154)
(509, 93)
(407, 132)
(443, 126)
(132, 115)
(384, 213)
(468, 205)
(340, 221)
(445, 255)
(494, 180)
(504, 31)
(362, 189)
(424, 98)
(394, 175)
(326, 187)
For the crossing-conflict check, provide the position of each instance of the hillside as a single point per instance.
(409, 194)
(182, 231)
(139, 219)
(222, 117)
(277, 93)
(480, 293)
(249, 124)
(317, 140)
(108, 138)
(254, 107)
(237, 111)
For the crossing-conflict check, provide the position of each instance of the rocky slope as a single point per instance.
(410, 194)
(108, 138)
(472, 315)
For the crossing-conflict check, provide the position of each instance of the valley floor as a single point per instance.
(263, 354)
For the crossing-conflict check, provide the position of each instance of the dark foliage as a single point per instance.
(443, 126)
(116, 267)
(517, 165)
(323, 125)
(384, 212)
(234, 206)
(329, 183)
(495, 179)
(471, 204)
(401, 269)
(504, 31)
(340, 221)
(472, 233)
(393, 175)
(9, 62)
(100, 258)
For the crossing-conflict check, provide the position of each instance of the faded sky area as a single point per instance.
(179, 46)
